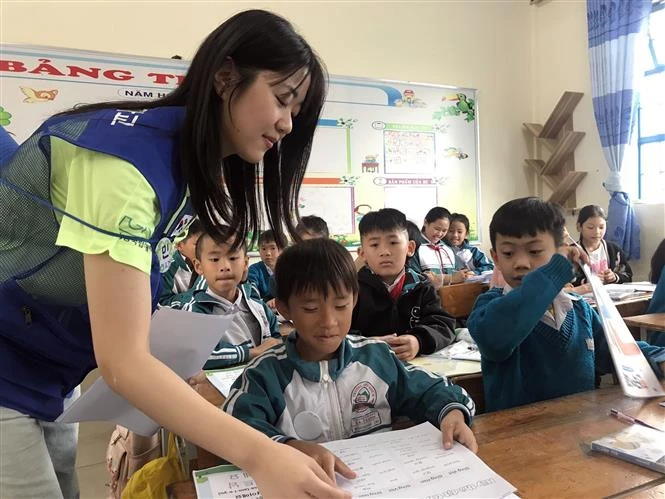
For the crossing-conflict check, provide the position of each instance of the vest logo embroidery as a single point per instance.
(364, 415)
(164, 252)
(126, 117)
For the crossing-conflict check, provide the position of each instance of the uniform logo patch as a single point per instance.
(364, 415)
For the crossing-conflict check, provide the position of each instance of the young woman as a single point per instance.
(606, 258)
(435, 259)
(89, 206)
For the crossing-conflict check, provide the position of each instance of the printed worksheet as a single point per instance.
(404, 463)
(222, 379)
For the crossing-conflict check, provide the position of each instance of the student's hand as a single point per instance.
(203, 387)
(575, 255)
(453, 427)
(282, 471)
(608, 277)
(265, 345)
(582, 289)
(435, 279)
(468, 273)
(326, 459)
(406, 346)
(271, 305)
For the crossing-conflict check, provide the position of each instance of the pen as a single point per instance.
(629, 419)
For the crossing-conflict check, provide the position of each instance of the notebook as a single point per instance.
(636, 444)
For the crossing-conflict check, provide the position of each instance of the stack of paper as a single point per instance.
(404, 463)
(485, 277)
(181, 340)
(460, 350)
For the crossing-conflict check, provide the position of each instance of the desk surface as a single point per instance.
(649, 321)
(447, 367)
(633, 305)
(542, 449)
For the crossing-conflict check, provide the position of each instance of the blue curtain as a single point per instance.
(615, 34)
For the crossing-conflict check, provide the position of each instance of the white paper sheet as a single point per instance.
(634, 372)
(181, 340)
(485, 277)
(405, 463)
(631, 287)
(222, 379)
(460, 350)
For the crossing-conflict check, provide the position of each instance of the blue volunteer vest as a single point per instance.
(46, 345)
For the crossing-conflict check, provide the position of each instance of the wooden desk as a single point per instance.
(647, 322)
(655, 492)
(464, 373)
(543, 448)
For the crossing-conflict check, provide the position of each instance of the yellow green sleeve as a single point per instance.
(108, 193)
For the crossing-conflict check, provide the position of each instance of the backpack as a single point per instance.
(126, 453)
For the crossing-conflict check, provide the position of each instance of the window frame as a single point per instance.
(658, 67)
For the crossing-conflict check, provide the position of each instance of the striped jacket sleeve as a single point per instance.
(422, 395)
(227, 355)
(257, 396)
(480, 261)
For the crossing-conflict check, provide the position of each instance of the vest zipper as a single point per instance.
(27, 315)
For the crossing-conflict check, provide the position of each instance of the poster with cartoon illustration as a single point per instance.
(378, 144)
(632, 368)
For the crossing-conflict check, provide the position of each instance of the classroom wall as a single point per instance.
(520, 57)
(485, 45)
(560, 61)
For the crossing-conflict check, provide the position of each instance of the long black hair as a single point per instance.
(657, 262)
(590, 211)
(255, 40)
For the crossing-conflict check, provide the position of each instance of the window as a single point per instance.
(651, 114)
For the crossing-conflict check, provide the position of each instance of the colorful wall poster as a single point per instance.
(378, 144)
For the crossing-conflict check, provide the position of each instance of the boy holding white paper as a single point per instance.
(323, 385)
(536, 341)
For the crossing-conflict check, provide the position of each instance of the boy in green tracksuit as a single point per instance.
(180, 275)
(254, 328)
(323, 385)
